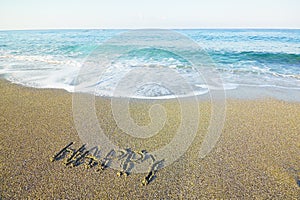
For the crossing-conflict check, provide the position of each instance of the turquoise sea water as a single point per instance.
(264, 61)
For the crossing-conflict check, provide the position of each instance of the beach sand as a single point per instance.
(257, 156)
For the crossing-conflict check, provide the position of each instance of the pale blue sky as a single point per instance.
(57, 14)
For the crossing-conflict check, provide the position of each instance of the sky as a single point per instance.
(135, 14)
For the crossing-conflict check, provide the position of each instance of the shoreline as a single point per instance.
(243, 93)
(257, 155)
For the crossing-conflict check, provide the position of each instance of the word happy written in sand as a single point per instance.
(127, 159)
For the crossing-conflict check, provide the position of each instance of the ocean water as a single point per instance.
(249, 62)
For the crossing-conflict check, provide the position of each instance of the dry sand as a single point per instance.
(257, 156)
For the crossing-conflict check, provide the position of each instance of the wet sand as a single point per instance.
(257, 156)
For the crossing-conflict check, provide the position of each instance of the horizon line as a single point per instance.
(186, 28)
